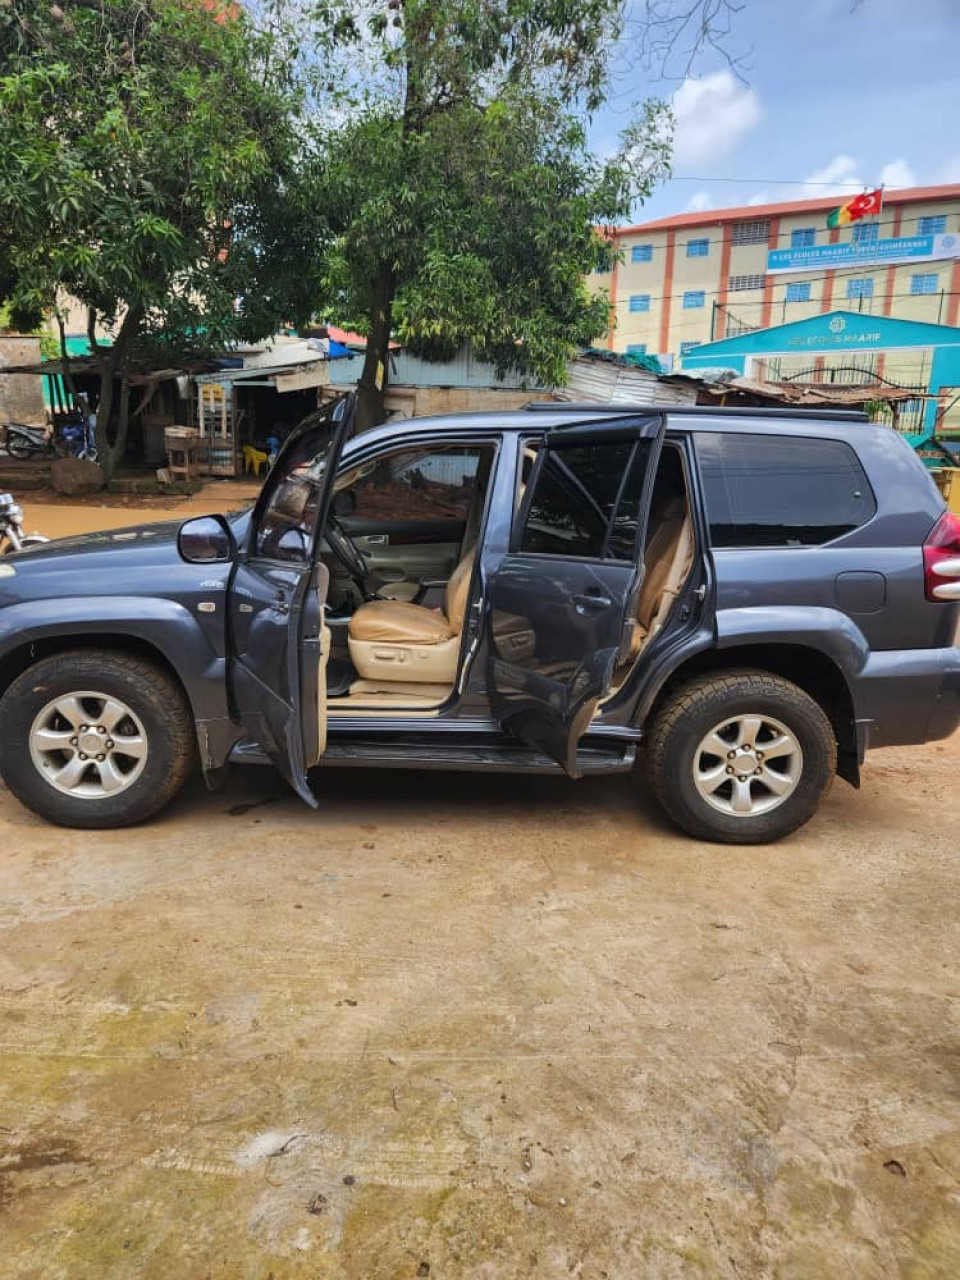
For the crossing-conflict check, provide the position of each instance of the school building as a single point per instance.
(698, 278)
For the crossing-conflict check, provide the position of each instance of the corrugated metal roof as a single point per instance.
(463, 370)
(608, 383)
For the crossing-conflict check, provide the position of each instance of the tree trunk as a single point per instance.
(68, 382)
(373, 380)
(110, 451)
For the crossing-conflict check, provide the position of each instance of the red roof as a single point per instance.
(710, 217)
(347, 338)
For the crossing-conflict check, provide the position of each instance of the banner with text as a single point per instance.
(904, 250)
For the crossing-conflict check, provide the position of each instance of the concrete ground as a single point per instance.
(482, 1027)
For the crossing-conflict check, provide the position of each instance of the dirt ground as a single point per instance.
(47, 513)
(483, 1027)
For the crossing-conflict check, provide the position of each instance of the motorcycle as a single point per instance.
(69, 440)
(12, 537)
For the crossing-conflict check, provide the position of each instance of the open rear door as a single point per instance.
(276, 601)
(560, 606)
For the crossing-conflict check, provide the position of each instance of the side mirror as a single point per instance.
(206, 540)
(345, 504)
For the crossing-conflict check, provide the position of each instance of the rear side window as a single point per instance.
(587, 501)
(781, 491)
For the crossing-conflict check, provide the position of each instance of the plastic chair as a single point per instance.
(253, 459)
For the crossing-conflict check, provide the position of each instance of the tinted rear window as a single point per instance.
(587, 500)
(781, 491)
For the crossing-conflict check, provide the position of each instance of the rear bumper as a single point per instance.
(907, 696)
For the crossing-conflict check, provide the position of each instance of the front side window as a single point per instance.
(698, 248)
(640, 302)
(641, 253)
(799, 292)
(415, 485)
(290, 503)
(586, 501)
(803, 238)
(781, 491)
(693, 299)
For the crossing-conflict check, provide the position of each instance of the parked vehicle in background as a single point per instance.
(750, 599)
(71, 438)
(12, 537)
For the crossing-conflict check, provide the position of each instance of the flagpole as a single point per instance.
(876, 243)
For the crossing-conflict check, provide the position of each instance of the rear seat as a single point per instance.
(668, 559)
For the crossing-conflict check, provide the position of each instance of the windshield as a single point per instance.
(292, 495)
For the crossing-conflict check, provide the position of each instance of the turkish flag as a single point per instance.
(863, 205)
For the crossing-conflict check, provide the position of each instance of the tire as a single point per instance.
(144, 764)
(704, 790)
(28, 540)
(18, 447)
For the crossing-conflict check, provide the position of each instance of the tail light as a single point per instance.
(941, 559)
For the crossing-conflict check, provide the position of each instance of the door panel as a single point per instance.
(276, 601)
(559, 605)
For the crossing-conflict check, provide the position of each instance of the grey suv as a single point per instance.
(750, 599)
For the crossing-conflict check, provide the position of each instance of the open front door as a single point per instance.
(560, 606)
(277, 595)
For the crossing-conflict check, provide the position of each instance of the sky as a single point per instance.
(826, 97)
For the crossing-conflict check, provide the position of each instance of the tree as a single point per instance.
(460, 192)
(150, 170)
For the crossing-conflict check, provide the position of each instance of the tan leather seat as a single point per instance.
(667, 561)
(392, 640)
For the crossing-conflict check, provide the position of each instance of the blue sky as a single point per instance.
(832, 95)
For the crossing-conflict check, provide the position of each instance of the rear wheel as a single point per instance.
(95, 738)
(745, 757)
(19, 447)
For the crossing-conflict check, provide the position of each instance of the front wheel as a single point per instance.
(742, 757)
(95, 738)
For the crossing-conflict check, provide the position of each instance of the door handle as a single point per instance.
(377, 540)
(591, 603)
(280, 604)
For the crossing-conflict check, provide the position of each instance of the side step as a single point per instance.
(473, 757)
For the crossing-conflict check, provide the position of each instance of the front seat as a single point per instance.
(393, 640)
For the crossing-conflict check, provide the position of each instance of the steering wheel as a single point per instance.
(348, 553)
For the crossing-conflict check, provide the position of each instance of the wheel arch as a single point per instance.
(810, 669)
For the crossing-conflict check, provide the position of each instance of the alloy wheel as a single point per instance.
(88, 744)
(747, 765)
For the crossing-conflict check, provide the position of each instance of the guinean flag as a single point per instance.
(860, 206)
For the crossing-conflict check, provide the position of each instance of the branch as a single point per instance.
(669, 27)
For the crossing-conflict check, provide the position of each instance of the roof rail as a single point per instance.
(696, 410)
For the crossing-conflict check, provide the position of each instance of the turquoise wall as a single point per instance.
(841, 333)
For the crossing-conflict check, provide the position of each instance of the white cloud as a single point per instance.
(950, 171)
(838, 176)
(897, 174)
(700, 201)
(712, 113)
(761, 197)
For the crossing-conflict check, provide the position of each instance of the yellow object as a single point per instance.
(253, 459)
(948, 482)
